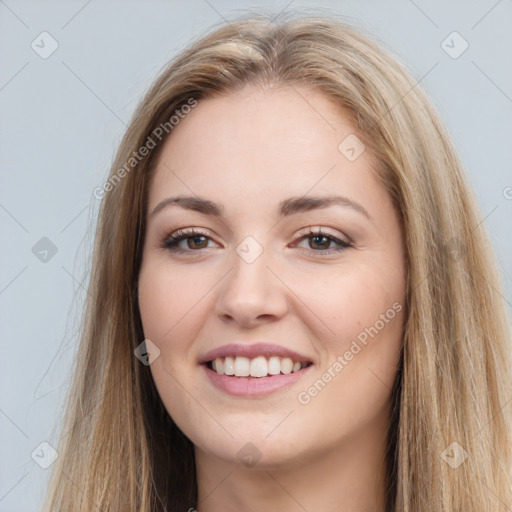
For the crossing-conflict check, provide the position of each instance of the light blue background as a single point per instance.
(63, 117)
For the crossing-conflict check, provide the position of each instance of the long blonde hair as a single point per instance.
(119, 449)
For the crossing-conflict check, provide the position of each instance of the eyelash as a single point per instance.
(171, 242)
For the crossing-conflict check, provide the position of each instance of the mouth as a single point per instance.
(257, 367)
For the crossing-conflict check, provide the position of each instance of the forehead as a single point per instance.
(262, 144)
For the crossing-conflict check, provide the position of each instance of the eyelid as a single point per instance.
(189, 231)
(315, 230)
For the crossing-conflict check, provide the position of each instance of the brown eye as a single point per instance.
(183, 241)
(195, 242)
(320, 242)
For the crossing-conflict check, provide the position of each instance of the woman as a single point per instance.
(293, 303)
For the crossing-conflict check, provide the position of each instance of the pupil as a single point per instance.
(195, 240)
(321, 237)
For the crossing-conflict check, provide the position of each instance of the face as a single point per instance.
(324, 280)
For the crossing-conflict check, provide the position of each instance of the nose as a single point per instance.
(251, 294)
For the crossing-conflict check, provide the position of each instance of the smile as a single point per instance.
(250, 386)
(260, 366)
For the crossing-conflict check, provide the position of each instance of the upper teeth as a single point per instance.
(258, 367)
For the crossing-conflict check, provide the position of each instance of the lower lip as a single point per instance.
(253, 386)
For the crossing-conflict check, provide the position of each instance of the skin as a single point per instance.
(248, 151)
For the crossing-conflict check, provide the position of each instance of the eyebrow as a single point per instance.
(290, 206)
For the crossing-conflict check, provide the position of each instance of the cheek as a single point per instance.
(364, 311)
(169, 305)
(350, 301)
(353, 386)
(168, 299)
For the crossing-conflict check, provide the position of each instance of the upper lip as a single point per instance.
(254, 350)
